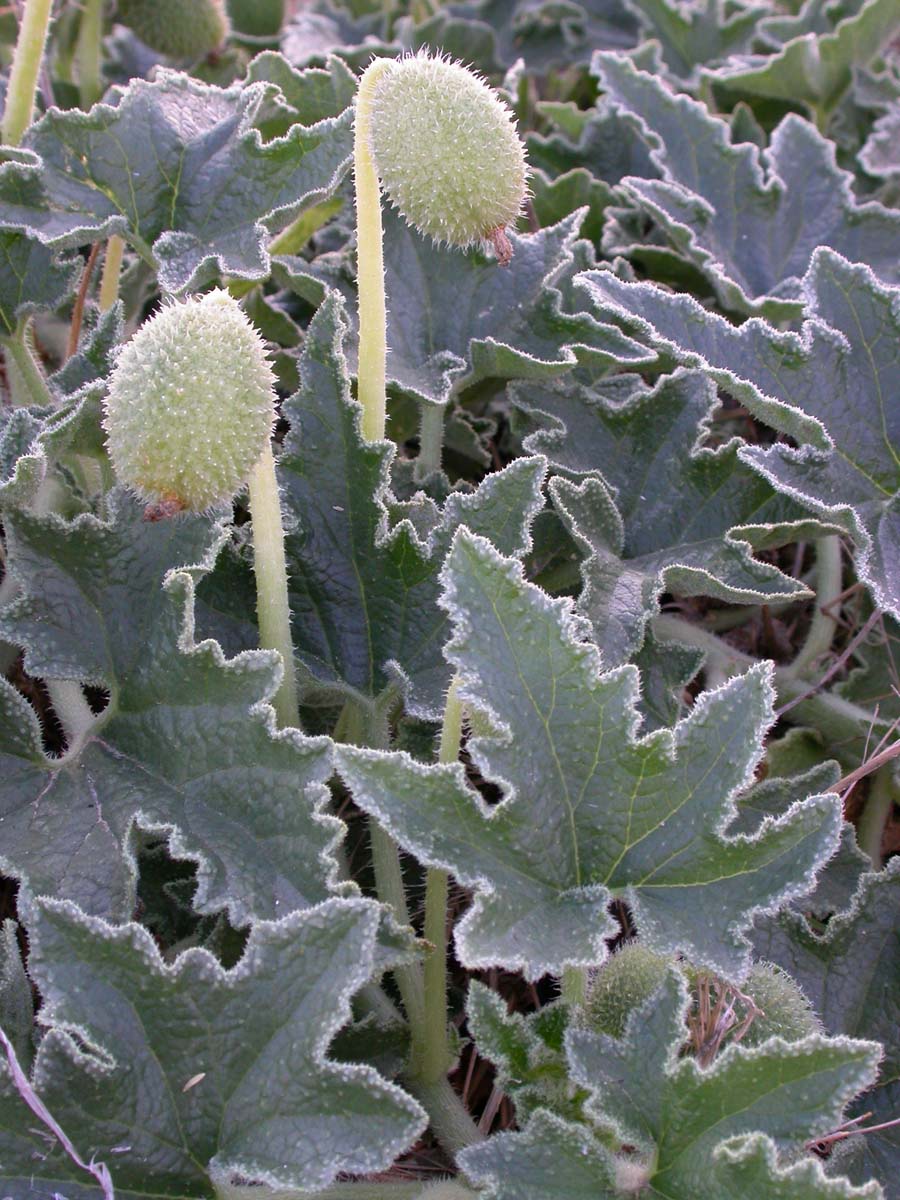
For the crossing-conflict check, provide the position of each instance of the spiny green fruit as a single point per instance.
(446, 150)
(445, 1189)
(786, 1010)
(622, 984)
(190, 405)
(257, 18)
(176, 28)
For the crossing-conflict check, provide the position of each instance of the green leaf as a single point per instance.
(143, 1056)
(457, 318)
(636, 540)
(880, 156)
(684, 1133)
(363, 595)
(527, 1053)
(851, 973)
(193, 189)
(835, 379)
(590, 813)
(185, 746)
(16, 1001)
(307, 97)
(32, 278)
(693, 35)
(749, 219)
(812, 69)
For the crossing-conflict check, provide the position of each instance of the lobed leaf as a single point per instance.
(645, 820)
(729, 1131)
(179, 168)
(831, 385)
(749, 219)
(143, 1055)
(186, 744)
(364, 595)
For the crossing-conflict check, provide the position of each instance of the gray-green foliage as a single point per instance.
(608, 471)
(642, 819)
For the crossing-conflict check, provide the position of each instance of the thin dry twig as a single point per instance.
(78, 308)
(99, 1170)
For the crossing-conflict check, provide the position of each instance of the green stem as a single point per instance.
(824, 623)
(362, 724)
(838, 719)
(450, 1122)
(435, 1061)
(26, 66)
(16, 347)
(89, 53)
(431, 438)
(272, 606)
(574, 986)
(874, 817)
(370, 264)
(112, 269)
(72, 710)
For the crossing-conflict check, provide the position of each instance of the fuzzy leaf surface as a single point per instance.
(364, 596)
(749, 219)
(455, 319)
(31, 278)
(637, 543)
(697, 1133)
(851, 973)
(837, 378)
(185, 745)
(176, 166)
(693, 35)
(645, 820)
(815, 69)
(168, 1077)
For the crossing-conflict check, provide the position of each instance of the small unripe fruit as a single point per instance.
(786, 1010)
(622, 984)
(445, 1189)
(257, 18)
(176, 28)
(446, 150)
(190, 405)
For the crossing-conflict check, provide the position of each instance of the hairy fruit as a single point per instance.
(190, 405)
(622, 984)
(786, 1010)
(446, 150)
(176, 28)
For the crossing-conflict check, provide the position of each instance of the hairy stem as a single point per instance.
(431, 438)
(839, 720)
(879, 805)
(450, 1122)
(23, 78)
(574, 986)
(824, 623)
(435, 1060)
(89, 53)
(112, 269)
(273, 609)
(370, 264)
(35, 386)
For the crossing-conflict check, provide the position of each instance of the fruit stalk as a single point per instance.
(370, 263)
(272, 604)
(435, 1058)
(25, 68)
